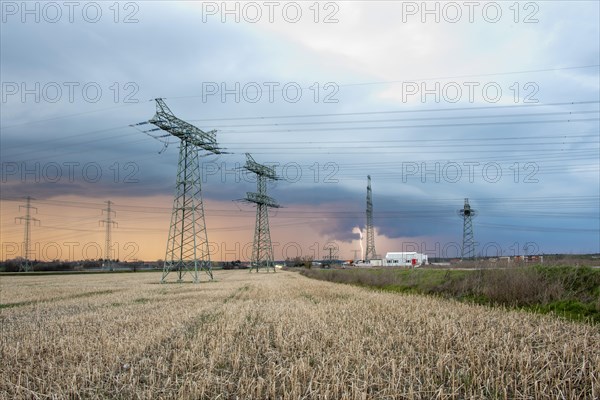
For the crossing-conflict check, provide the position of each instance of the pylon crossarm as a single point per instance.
(258, 198)
(165, 120)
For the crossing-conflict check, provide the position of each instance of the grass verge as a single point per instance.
(569, 292)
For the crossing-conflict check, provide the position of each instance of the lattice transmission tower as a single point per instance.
(468, 247)
(333, 250)
(25, 265)
(262, 249)
(108, 224)
(187, 244)
(370, 252)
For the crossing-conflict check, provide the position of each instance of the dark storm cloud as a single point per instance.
(170, 53)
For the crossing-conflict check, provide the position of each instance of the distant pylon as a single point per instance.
(187, 244)
(468, 248)
(370, 252)
(333, 248)
(108, 224)
(262, 249)
(25, 265)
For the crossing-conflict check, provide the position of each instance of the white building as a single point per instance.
(396, 259)
(405, 259)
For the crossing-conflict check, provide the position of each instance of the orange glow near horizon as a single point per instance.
(70, 229)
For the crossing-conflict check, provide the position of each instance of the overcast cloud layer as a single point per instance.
(493, 101)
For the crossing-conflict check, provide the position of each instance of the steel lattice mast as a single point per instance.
(262, 249)
(333, 249)
(468, 247)
(108, 223)
(187, 244)
(26, 262)
(370, 252)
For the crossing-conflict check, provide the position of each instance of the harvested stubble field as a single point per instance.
(123, 336)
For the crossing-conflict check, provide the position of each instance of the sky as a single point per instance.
(497, 102)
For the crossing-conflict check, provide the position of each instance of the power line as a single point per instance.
(410, 119)
(339, 85)
(410, 140)
(538, 228)
(322, 123)
(462, 125)
(153, 209)
(452, 109)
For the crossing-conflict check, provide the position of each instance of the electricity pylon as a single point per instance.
(333, 250)
(262, 249)
(25, 265)
(370, 253)
(108, 224)
(468, 248)
(187, 244)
